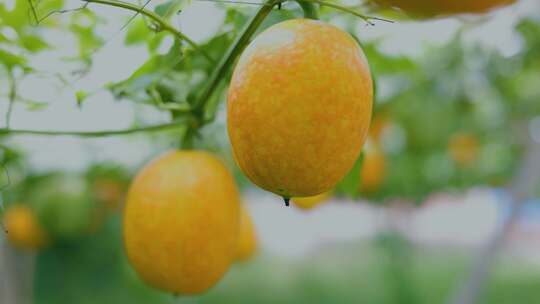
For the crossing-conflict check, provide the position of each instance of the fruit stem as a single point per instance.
(311, 11)
(286, 200)
(186, 143)
(233, 52)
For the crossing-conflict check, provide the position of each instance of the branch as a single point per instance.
(367, 19)
(155, 128)
(12, 95)
(524, 182)
(163, 24)
(55, 12)
(234, 51)
(235, 2)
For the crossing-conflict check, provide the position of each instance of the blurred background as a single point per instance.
(442, 206)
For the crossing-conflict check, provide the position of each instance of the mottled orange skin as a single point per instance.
(181, 222)
(247, 237)
(23, 229)
(373, 170)
(463, 148)
(299, 107)
(311, 202)
(444, 7)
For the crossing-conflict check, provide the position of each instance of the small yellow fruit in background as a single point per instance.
(247, 237)
(379, 125)
(299, 107)
(310, 202)
(463, 148)
(181, 222)
(429, 8)
(373, 169)
(23, 229)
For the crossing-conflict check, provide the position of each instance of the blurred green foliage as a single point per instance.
(96, 271)
(452, 89)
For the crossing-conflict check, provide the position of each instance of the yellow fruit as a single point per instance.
(299, 107)
(247, 237)
(463, 149)
(443, 7)
(372, 173)
(23, 229)
(311, 201)
(181, 222)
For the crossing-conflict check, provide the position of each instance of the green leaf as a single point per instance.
(17, 18)
(10, 60)
(81, 96)
(170, 8)
(155, 41)
(83, 24)
(138, 32)
(33, 43)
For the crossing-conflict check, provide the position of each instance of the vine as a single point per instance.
(203, 109)
(153, 128)
(162, 23)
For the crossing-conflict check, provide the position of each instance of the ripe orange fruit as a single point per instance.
(23, 229)
(444, 7)
(463, 148)
(372, 173)
(310, 202)
(299, 107)
(247, 237)
(181, 222)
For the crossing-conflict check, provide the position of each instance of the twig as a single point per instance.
(11, 97)
(524, 182)
(367, 19)
(164, 25)
(55, 12)
(154, 128)
(233, 52)
(134, 16)
(236, 2)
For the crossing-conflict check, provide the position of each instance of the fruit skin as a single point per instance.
(311, 202)
(444, 7)
(372, 173)
(181, 222)
(247, 237)
(299, 107)
(463, 149)
(23, 229)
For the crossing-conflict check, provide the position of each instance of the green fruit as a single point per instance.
(63, 205)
